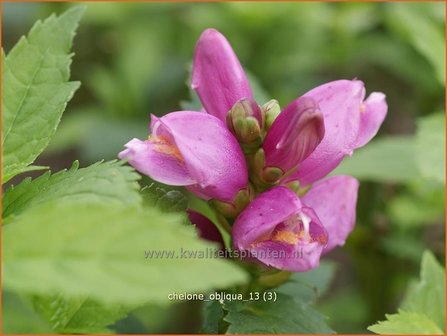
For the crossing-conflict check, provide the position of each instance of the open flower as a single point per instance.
(349, 122)
(286, 232)
(278, 230)
(191, 149)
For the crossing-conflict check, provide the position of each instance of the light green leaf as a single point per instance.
(406, 323)
(423, 309)
(389, 159)
(102, 252)
(78, 315)
(36, 89)
(19, 317)
(165, 200)
(428, 295)
(108, 182)
(285, 316)
(430, 146)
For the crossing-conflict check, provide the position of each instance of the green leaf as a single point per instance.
(377, 161)
(36, 89)
(406, 323)
(78, 315)
(430, 146)
(310, 285)
(423, 309)
(284, 316)
(102, 252)
(108, 182)
(212, 312)
(19, 317)
(428, 295)
(165, 200)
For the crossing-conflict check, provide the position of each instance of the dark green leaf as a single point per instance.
(285, 316)
(108, 182)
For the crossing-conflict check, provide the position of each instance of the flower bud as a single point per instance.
(294, 134)
(232, 209)
(217, 75)
(271, 110)
(262, 175)
(245, 121)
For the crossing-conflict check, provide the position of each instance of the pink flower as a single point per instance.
(191, 149)
(294, 134)
(349, 122)
(300, 144)
(286, 232)
(217, 76)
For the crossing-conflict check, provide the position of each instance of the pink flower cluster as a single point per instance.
(263, 168)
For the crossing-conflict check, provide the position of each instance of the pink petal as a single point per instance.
(298, 258)
(373, 112)
(210, 152)
(272, 228)
(334, 200)
(339, 102)
(294, 134)
(263, 214)
(217, 76)
(149, 159)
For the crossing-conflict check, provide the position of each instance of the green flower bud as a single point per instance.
(233, 209)
(271, 110)
(264, 176)
(245, 121)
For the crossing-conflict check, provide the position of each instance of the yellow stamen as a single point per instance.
(163, 145)
(288, 237)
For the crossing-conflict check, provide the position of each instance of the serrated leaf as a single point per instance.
(406, 323)
(377, 161)
(423, 309)
(212, 313)
(428, 295)
(109, 182)
(285, 316)
(78, 315)
(36, 89)
(165, 200)
(99, 251)
(19, 317)
(430, 146)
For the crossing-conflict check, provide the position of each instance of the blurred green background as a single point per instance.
(133, 59)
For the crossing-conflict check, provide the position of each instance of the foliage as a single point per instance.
(36, 90)
(74, 241)
(423, 309)
(108, 182)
